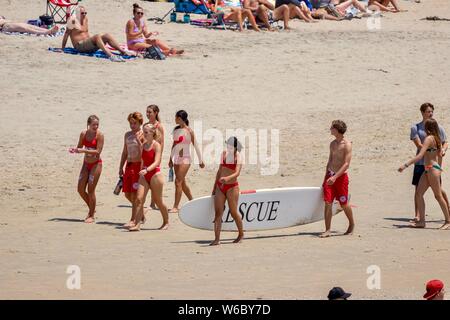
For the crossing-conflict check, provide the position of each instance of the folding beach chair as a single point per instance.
(61, 10)
(188, 7)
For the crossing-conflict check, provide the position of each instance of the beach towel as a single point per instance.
(57, 34)
(97, 54)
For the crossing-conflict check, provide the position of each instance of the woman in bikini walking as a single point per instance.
(180, 157)
(138, 36)
(91, 144)
(226, 188)
(431, 151)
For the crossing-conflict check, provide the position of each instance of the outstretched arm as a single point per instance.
(419, 156)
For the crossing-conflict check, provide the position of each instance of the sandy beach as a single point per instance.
(295, 81)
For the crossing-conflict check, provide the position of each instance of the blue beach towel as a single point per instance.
(97, 54)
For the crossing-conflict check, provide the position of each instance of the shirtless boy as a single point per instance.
(335, 185)
(131, 154)
(83, 42)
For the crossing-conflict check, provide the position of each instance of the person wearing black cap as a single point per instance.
(226, 188)
(337, 293)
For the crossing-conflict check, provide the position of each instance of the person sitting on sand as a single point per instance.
(138, 36)
(9, 26)
(383, 5)
(233, 14)
(78, 31)
(321, 8)
(342, 6)
(335, 184)
(297, 9)
(226, 189)
(261, 9)
(431, 152)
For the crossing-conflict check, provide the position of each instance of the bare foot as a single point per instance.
(239, 239)
(326, 234)
(164, 226)
(416, 219)
(174, 210)
(89, 219)
(153, 206)
(445, 226)
(350, 230)
(215, 243)
(135, 228)
(418, 224)
(129, 224)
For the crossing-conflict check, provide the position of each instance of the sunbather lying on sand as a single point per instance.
(9, 26)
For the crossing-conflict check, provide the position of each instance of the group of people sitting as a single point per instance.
(263, 11)
(139, 38)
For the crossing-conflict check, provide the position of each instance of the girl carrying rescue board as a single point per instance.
(226, 188)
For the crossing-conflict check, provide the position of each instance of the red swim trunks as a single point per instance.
(338, 190)
(131, 177)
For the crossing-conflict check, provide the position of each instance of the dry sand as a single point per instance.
(296, 82)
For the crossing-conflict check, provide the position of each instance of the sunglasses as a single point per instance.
(84, 13)
(140, 13)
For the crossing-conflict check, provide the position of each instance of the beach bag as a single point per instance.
(154, 52)
(46, 20)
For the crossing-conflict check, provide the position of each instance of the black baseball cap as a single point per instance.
(338, 293)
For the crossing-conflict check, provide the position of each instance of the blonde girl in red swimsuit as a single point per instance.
(153, 118)
(150, 178)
